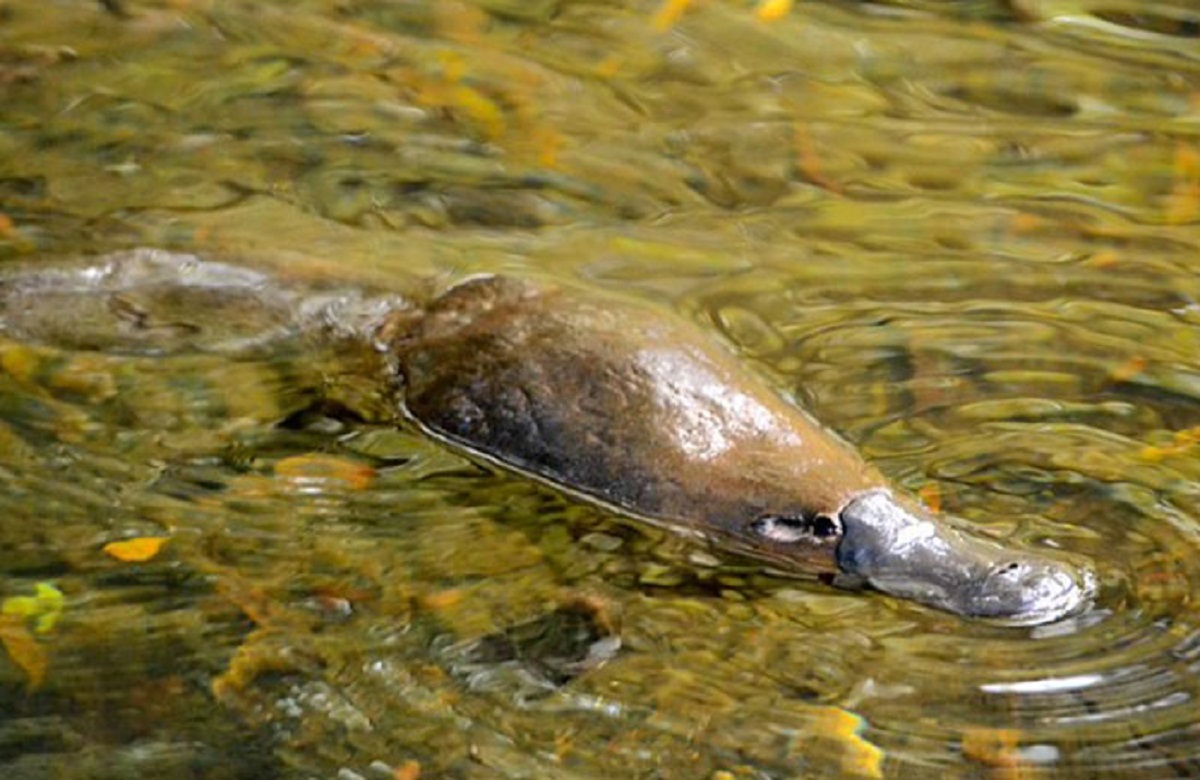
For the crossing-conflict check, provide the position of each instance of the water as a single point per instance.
(964, 235)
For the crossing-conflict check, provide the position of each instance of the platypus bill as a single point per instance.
(645, 412)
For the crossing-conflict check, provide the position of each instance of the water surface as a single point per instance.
(964, 235)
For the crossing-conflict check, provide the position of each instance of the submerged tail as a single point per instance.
(156, 302)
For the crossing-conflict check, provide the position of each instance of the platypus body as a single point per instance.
(624, 404)
(628, 406)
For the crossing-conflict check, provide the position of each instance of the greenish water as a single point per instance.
(964, 235)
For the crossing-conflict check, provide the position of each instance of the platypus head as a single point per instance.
(898, 548)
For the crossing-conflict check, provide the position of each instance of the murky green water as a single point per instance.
(964, 234)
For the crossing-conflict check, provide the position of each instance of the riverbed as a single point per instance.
(965, 236)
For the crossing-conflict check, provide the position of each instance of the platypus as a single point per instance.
(615, 401)
(643, 411)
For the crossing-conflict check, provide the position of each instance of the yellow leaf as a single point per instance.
(52, 601)
(860, 758)
(45, 607)
(325, 471)
(23, 649)
(19, 362)
(142, 548)
(409, 770)
(772, 10)
(1153, 454)
(997, 749)
(1183, 202)
(1027, 223)
(440, 599)
(1129, 369)
(669, 13)
(20, 606)
(1103, 259)
(480, 109)
(1188, 436)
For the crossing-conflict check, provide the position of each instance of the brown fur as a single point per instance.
(624, 404)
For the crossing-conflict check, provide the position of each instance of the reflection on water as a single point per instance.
(965, 235)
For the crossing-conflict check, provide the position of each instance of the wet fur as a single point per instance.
(592, 394)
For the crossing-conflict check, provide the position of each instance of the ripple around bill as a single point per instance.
(1054, 423)
(1109, 691)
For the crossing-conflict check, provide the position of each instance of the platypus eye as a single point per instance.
(794, 528)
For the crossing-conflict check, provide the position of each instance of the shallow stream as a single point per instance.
(965, 235)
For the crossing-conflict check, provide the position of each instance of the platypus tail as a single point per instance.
(157, 302)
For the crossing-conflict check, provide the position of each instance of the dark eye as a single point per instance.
(792, 528)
